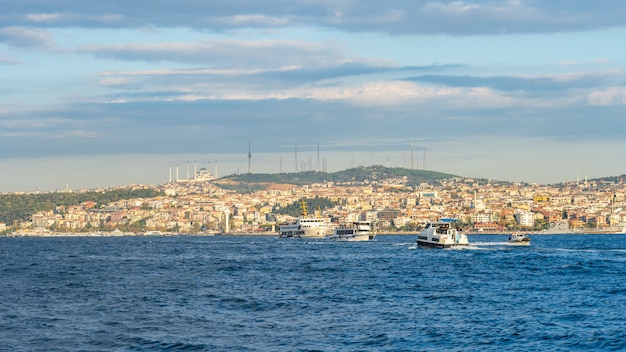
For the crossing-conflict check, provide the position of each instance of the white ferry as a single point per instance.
(356, 231)
(441, 234)
(304, 226)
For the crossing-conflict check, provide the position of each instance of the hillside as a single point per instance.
(22, 206)
(249, 182)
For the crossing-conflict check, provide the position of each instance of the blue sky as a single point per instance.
(114, 92)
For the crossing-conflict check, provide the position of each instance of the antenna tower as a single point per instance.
(249, 157)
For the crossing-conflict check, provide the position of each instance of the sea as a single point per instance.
(263, 293)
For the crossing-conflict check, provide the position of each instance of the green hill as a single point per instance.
(369, 174)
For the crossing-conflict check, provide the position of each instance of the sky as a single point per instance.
(107, 93)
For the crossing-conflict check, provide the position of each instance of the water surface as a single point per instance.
(249, 293)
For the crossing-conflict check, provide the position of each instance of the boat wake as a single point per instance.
(471, 247)
(496, 244)
(488, 243)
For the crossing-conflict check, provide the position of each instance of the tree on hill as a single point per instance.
(312, 204)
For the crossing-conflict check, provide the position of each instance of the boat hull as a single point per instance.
(519, 243)
(430, 244)
(356, 238)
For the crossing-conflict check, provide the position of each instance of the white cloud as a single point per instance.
(44, 17)
(377, 93)
(114, 81)
(595, 61)
(26, 37)
(199, 71)
(608, 96)
(453, 8)
(252, 20)
(226, 53)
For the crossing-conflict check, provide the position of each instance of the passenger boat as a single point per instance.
(356, 231)
(304, 226)
(441, 234)
(519, 239)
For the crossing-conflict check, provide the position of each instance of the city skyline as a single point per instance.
(94, 96)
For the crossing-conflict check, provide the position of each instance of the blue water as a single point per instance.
(564, 292)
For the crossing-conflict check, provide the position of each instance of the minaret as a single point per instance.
(187, 170)
(170, 173)
(177, 173)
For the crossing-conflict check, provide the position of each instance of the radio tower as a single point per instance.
(249, 158)
(296, 156)
(317, 165)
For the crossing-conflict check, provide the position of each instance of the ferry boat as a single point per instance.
(356, 231)
(441, 234)
(304, 226)
(519, 239)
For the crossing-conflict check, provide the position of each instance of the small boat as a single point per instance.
(356, 231)
(521, 239)
(441, 234)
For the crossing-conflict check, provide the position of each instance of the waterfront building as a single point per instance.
(524, 218)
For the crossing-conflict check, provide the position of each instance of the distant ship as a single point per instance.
(441, 234)
(304, 226)
(356, 231)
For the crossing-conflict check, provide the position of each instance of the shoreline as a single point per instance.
(267, 234)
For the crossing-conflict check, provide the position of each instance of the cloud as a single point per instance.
(116, 82)
(44, 17)
(406, 17)
(595, 61)
(225, 53)
(26, 37)
(359, 85)
(251, 20)
(7, 61)
(374, 93)
(607, 97)
(528, 83)
(397, 111)
(270, 79)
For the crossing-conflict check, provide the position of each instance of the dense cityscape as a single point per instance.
(203, 205)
